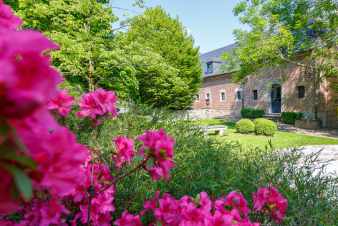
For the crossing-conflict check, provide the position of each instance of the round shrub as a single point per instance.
(265, 127)
(245, 126)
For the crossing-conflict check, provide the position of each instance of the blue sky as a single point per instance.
(210, 22)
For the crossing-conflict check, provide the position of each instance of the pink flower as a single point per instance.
(27, 80)
(7, 18)
(159, 147)
(55, 150)
(62, 103)
(168, 211)
(101, 208)
(98, 104)
(124, 151)
(7, 203)
(43, 213)
(269, 199)
(236, 200)
(128, 219)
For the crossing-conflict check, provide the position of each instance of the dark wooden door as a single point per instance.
(276, 98)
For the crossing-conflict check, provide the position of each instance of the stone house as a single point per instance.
(287, 88)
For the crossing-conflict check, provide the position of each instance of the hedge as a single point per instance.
(245, 126)
(252, 113)
(291, 117)
(265, 127)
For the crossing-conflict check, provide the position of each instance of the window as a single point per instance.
(255, 94)
(222, 96)
(210, 68)
(238, 95)
(207, 99)
(301, 91)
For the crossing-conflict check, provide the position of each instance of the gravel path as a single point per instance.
(328, 153)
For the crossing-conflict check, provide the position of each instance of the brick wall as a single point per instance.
(214, 86)
(289, 77)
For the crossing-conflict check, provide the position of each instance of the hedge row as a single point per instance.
(252, 113)
(291, 117)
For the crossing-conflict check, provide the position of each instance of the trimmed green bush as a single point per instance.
(245, 126)
(265, 127)
(291, 117)
(252, 113)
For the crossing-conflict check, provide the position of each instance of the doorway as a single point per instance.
(276, 98)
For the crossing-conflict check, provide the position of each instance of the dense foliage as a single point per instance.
(245, 126)
(252, 113)
(265, 127)
(167, 64)
(291, 117)
(219, 168)
(83, 29)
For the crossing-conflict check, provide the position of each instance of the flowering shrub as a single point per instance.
(48, 178)
(62, 103)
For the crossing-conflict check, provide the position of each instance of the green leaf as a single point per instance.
(22, 181)
(22, 160)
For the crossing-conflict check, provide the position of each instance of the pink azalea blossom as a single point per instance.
(158, 146)
(7, 18)
(27, 80)
(128, 219)
(102, 206)
(269, 199)
(98, 104)
(236, 200)
(43, 213)
(62, 103)
(124, 151)
(55, 150)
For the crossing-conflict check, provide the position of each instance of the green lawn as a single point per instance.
(279, 140)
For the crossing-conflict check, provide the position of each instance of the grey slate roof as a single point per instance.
(215, 56)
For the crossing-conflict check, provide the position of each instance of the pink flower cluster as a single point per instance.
(231, 210)
(101, 207)
(159, 147)
(98, 104)
(269, 200)
(62, 103)
(124, 151)
(36, 146)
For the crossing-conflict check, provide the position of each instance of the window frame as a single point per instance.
(301, 92)
(255, 94)
(239, 91)
(210, 68)
(221, 96)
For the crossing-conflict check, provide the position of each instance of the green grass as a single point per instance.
(279, 140)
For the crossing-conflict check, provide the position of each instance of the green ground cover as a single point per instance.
(279, 140)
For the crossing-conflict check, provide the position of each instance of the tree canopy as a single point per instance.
(167, 64)
(280, 30)
(83, 29)
(154, 62)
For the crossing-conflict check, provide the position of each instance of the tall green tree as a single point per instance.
(280, 31)
(83, 29)
(166, 62)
